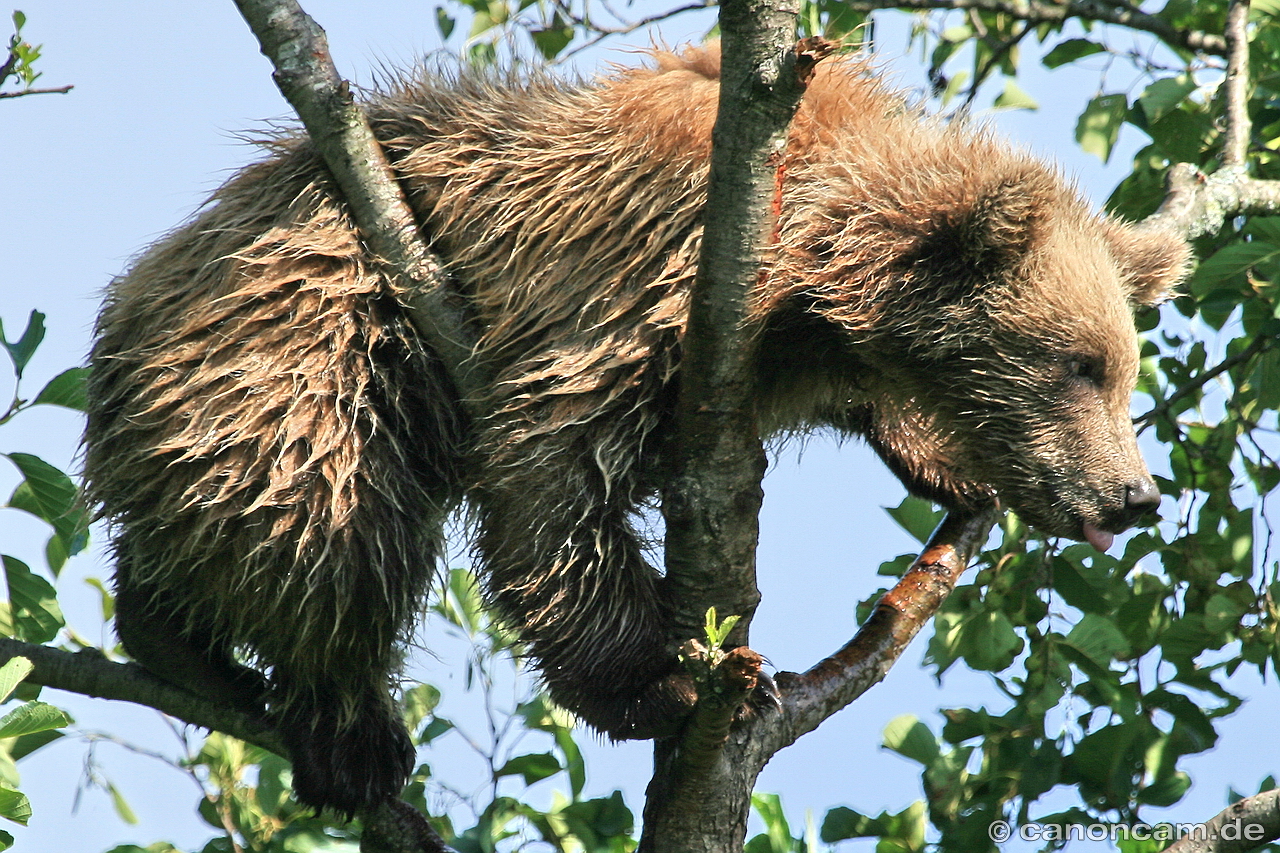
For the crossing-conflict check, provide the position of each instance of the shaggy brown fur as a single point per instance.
(278, 450)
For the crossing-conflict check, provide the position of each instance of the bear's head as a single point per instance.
(985, 344)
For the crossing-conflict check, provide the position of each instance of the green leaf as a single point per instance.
(49, 494)
(916, 516)
(533, 767)
(14, 806)
(1222, 613)
(573, 761)
(552, 39)
(777, 831)
(1164, 95)
(434, 729)
(27, 744)
(1069, 51)
(1231, 261)
(123, 810)
(842, 823)
(1099, 125)
(32, 717)
(13, 671)
(1167, 791)
(1266, 382)
(20, 351)
(417, 705)
(1075, 589)
(909, 737)
(1014, 98)
(66, 389)
(37, 618)
(444, 23)
(989, 641)
(1098, 638)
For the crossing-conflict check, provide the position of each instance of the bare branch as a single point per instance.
(308, 79)
(1241, 827)
(898, 616)
(1036, 12)
(55, 90)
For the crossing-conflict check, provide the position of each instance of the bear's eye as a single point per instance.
(1085, 369)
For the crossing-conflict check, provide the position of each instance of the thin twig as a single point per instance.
(56, 90)
(1255, 347)
(1038, 12)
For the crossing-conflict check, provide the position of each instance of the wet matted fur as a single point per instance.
(277, 450)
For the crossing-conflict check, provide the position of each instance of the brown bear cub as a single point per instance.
(277, 448)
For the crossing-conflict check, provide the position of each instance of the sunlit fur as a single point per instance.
(277, 450)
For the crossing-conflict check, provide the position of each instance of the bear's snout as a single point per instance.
(1140, 498)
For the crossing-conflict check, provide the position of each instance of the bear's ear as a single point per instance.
(1152, 260)
(976, 233)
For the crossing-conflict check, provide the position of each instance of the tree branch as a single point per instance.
(1242, 826)
(711, 501)
(90, 674)
(307, 77)
(1196, 204)
(1036, 12)
(1235, 143)
(898, 616)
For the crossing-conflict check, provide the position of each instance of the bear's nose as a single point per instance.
(1140, 498)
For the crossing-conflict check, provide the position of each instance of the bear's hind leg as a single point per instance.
(189, 656)
(348, 745)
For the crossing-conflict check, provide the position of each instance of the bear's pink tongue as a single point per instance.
(1099, 539)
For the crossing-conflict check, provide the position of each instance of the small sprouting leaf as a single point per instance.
(717, 632)
(1099, 124)
(66, 389)
(20, 351)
